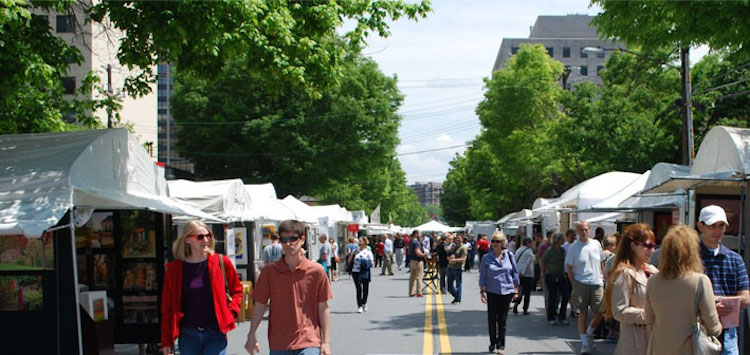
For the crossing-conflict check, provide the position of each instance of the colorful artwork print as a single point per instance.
(98, 232)
(240, 239)
(102, 271)
(139, 277)
(17, 252)
(139, 236)
(140, 309)
(21, 293)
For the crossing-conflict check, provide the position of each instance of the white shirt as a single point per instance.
(525, 261)
(362, 254)
(586, 260)
(388, 246)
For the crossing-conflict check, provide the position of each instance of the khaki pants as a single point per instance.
(387, 264)
(416, 273)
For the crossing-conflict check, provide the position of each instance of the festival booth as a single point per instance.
(303, 213)
(226, 200)
(336, 222)
(560, 213)
(512, 222)
(435, 226)
(268, 212)
(84, 218)
(719, 176)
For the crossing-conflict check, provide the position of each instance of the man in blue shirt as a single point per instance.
(725, 268)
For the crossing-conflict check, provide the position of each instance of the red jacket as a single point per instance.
(171, 300)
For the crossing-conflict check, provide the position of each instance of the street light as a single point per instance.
(688, 143)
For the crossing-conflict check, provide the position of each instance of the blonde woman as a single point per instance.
(625, 295)
(671, 295)
(195, 307)
(498, 286)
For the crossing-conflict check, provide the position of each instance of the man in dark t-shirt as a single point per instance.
(416, 268)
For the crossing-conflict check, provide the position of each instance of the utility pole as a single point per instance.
(688, 144)
(109, 94)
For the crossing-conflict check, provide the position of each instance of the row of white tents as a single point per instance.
(719, 173)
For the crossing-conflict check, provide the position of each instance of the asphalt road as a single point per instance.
(398, 324)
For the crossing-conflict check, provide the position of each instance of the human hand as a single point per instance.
(166, 350)
(722, 309)
(325, 349)
(252, 344)
(650, 269)
(483, 297)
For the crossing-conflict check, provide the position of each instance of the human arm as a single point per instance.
(168, 309)
(324, 316)
(707, 305)
(569, 271)
(649, 309)
(744, 298)
(252, 345)
(234, 287)
(622, 291)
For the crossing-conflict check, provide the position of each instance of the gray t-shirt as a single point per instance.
(326, 248)
(586, 260)
(272, 253)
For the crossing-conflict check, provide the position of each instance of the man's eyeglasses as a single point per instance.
(649, 245)
(201, 236)
(288, 239)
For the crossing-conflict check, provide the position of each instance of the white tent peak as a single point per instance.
(724, 149)
(434, 226)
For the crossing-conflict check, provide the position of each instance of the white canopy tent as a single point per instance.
(265, 205)
(45, 175)
(224, 199)
(435, 226)
(302, 212)
(660, 173)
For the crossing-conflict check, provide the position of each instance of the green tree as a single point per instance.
(433, 211)
(654, 24)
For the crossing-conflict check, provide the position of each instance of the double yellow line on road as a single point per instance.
(445, 344)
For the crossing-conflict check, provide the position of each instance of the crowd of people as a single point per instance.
(649, 298)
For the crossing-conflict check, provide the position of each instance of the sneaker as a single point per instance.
(585, 349)
(413, 295)
(455, 301)
(552, 322)
(492, 348)
(360, 309)
(563, 322)
(526, 313)
(515, 309)
(590, 340)
(364, 308)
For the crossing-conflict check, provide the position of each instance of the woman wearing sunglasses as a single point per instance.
(498, 286)
(625, 295)
(200, 301)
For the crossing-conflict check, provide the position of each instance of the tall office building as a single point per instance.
(177, 167)
(428, 192)
(565, 37)
(98, 45)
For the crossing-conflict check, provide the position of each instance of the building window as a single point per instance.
(584, 70)
(551, 51)
(566, 52)
(66, 24)
(599, 69)
(162, 111)
(513, 50)
(162, 98)
(583, 54)
(69, 85)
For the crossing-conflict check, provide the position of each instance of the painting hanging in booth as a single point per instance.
(21, 293)
(139, 277)
(140, 309)
(139, 235)
(240, 246)
(98, 232)
(19, 253)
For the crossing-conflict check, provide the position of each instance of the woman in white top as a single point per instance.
(362, 262)
(334, 263)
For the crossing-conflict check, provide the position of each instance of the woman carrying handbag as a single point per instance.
(680, 298)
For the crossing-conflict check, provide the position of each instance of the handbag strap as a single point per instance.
(223, 273)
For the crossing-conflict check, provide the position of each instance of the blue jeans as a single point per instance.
(730, 344)
(454, 275)
(305, 351)
(443, 273)
(208, 341)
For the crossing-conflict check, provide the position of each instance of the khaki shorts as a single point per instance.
(585, 296)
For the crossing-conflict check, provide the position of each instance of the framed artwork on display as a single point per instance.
(19, 253)
(240, 245)
(140, 310)
(98, 232)
(138, 234)
(139, 277)
(21, 293)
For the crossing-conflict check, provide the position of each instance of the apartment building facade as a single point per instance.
(427, 192)
(565, 38)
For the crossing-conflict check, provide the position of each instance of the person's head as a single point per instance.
(549, 234)
(538, 238)
(459, 239)
(582, 229)
(363, 243)
(609, 243)
(527, 241)
(350, 240)
(323, 237)
(712, 222)
(498, 241)
(680, 253)
(415, 234)
(196, 237)
(634, 249)
(557, 239)
(292, 236)
(449, 239)
(570, 235)
(274, 237)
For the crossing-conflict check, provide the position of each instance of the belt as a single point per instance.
(200, 329)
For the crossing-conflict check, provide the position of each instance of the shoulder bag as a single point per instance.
(703, 344)
(224, 277)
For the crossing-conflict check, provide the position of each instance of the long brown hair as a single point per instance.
(680, 253)
(625, 258)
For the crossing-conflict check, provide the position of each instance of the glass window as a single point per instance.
(599, 69)
(566, 52)
(162, 111)
(513, 50)
(65, 23)
(551, 51)
(584, 70)
(69, 85)
(583, 54)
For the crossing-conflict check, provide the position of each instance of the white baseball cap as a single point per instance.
(712, 214)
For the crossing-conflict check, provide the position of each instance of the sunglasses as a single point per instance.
(496, 241)
(201, 236)
(288, 239)
(649, 245)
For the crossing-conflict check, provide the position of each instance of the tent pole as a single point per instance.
(75, 278)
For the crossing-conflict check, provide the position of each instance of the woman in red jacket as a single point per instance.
(196, 305)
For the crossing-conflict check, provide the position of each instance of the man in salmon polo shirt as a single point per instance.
(298, 288)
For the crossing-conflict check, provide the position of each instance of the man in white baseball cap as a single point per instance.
(724, 267)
